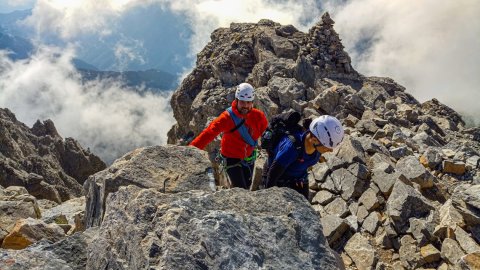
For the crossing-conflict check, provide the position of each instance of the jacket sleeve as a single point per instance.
(217, 126)
(264, 124)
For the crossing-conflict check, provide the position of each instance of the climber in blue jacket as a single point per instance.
(288, 164)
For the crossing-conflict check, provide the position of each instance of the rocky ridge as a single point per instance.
(389, 197)
(40, 160)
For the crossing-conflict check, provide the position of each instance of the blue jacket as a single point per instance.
(296, 162)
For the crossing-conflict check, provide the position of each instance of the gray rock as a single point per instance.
(304, 71)
(350, 151)
(472, 162)
(362, 213)
(361, 252)
(475, 232)
(144, 228)
(320, 171)
(150, 167)
(369, 199)
(66, 213)
(385, 181)
(466, 199)
(323, 197)
(338, 207)
(333, 227)
(465, 241)
(414, 171)
(432, 158)
(424, 139)
(410, 253)
(451, 251)
(370, 224)
(359, 170)
(287, 90)
(352, 221)
(351, 186)
(399, 152)
(418, 228)
(372, 146)
(327, 101)
(404, 203)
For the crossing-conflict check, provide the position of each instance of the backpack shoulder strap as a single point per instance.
(296, 143)
(241, 128)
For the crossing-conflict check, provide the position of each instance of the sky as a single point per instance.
(428, 46)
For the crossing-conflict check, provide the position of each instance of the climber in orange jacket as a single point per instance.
(241, 125)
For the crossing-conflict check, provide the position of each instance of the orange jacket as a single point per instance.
(232, 144)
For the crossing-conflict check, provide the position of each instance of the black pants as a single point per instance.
(239, 173)
(285, 181)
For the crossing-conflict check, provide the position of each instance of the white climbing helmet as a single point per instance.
(328, 130)
(245, 92)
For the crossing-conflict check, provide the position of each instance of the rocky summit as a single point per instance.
(402, 191)
(389, 196)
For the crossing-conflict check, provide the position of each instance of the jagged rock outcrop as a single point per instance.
(228, 229)
(391, 187)
(169, 169)
(38, 159)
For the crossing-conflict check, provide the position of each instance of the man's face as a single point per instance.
(244, 106)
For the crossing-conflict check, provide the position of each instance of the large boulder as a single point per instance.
(168, 169)
(228, 229)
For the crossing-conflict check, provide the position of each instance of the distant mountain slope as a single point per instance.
(152, 37)
(152, 79)
(19, 48)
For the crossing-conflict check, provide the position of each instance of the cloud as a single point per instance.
(68, 19)
(105, 116)
(127, 51)
(430, 47)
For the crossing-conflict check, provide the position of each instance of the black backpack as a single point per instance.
(281, 125)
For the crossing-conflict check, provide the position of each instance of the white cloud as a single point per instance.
(127, 51)
(430, 47)
(105, 116)
(70, 18)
